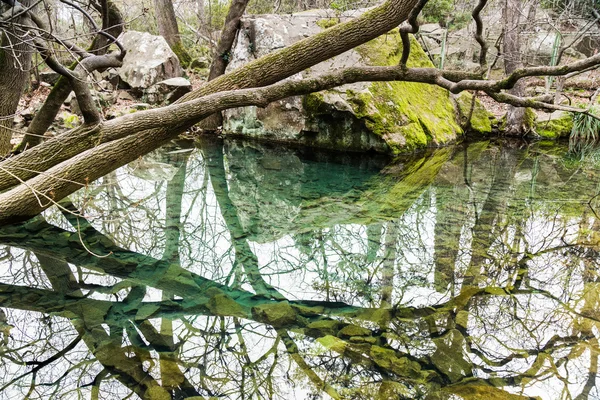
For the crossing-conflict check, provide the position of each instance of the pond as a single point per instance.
(238, 271)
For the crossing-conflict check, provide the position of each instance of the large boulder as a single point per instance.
(389, 117)
(149, 60)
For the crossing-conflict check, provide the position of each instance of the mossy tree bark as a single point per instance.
(167, 26)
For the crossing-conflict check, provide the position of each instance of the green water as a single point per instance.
(241, 271)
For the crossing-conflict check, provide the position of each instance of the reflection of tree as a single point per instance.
(414, 335)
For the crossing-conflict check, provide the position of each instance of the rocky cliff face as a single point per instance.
(390, 117)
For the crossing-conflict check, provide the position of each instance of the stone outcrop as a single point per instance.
(149, 60)
(389, 117)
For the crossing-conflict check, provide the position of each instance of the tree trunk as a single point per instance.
(516, 117)
(167, 26)
(223, 53)
(15, 64)
(112, 23)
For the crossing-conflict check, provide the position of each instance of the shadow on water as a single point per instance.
(236, 270)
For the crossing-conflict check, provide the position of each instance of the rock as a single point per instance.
(389, 117)
(50, 77)
(279, 314)
(19, 122)
(105, 85)
(69, 120)
(124, 95)
(481, 119)
(168, 90)
(149, 60)
(28, 113)
(554, 125)
(589, 44)
(200, 63)
(106, 99)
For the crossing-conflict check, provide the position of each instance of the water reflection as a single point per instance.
(244, 271)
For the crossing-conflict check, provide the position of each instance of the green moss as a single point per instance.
(313, 103)
(354, 330)
(387, 359)
(184, 57)
(480, 119)
(323, 328)
(221, 304)
(71, 121)
(328, 22)
(333, 343)
(157, 393)
(479, 391)
(407, 115)
(278, 314)
(530, 118)
(555, 128)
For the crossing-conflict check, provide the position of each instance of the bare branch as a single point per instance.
(479, 33)
(412, 27)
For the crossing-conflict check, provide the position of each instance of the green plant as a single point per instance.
(586, 126)
(437, 11)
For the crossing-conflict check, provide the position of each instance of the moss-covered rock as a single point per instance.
(481, 119)
(328, 22)
(407, 115)
(389, 360)
(323, 327)
(354, 330)
(557, 125)
(389, 117)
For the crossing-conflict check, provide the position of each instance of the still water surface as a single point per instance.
(242, 271)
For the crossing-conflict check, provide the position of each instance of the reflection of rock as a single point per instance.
(278, 191)
(152, 171)
(265, 187)
(449, 356)
(149, 60)
(385, 117)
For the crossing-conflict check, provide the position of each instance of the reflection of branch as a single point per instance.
(292, 350)
(41, 364)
